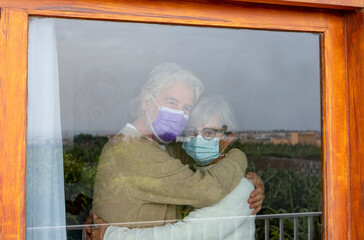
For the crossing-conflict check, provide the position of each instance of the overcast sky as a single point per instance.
(272, 79)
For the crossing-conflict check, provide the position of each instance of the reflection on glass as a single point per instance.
(259, 97)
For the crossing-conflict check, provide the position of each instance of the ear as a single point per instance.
(143, 97)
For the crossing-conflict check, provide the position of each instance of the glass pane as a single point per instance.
(126, 93)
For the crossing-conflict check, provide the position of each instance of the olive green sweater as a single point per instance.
(138, 181)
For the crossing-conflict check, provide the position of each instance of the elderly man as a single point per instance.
(138, 182)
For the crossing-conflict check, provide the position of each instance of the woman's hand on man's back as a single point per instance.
(257, 196)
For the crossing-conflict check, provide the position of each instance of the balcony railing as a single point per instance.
(295, 217)
(266, 219)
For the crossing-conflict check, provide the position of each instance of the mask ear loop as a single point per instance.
(154, 100)
(146, 111)
(150, 121)
(222, 153)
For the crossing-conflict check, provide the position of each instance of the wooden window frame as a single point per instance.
(340, 23)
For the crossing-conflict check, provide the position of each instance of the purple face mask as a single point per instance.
(169, 124)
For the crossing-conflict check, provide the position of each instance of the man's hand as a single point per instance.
(99, 230)
(96, 232)
(257, 196)
(87, 230)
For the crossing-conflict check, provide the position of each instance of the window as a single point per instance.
(334, 117)
(271, 79)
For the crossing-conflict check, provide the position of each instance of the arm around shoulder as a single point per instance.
(229, 171)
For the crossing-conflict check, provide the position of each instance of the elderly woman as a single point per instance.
(208, 134)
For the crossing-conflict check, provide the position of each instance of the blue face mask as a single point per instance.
(201, 150)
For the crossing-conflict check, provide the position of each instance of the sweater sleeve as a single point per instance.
(229, 219)
(160, 178)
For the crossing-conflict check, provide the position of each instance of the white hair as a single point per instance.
(215, 106)
(165, 74)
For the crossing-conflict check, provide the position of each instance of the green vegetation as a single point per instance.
(287, 190)
(279, 150)
(80, 159)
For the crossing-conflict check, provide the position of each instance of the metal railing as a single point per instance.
(295, 217)
(266, 219)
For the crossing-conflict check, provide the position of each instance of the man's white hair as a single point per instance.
(208, 108)
(165, 74)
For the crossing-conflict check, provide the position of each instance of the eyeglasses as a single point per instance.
(206, 133)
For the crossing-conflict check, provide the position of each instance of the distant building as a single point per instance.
(280, 141)
(280, 137)
(308, 138)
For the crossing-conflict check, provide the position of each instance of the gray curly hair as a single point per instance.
(210, 107)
